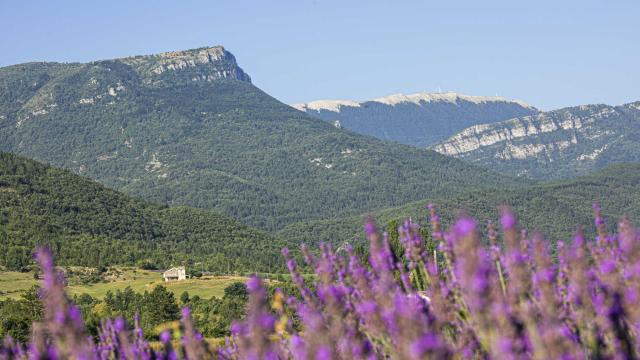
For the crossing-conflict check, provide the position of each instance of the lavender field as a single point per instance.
(478, 293)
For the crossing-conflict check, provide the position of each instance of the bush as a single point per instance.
(237, 289)
(147, 265)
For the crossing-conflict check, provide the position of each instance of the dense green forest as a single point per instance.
(555, 209)
(87, 224)
(157, 307)
(168, 136)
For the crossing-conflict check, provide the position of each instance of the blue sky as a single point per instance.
(548, 53)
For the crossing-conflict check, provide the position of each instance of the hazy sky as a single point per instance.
(548, 53)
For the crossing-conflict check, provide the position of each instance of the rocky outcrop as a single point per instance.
(476, 137)
(557, 143)
(203, 64)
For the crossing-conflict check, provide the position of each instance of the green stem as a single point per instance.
(502, 283)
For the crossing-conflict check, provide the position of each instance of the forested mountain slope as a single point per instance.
(86, 224)
(189, 128)
(555, 209)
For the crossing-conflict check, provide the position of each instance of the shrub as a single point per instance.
(237, 289)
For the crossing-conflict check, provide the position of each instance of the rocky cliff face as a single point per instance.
(556, 144)
(417, 119)
(203, 64)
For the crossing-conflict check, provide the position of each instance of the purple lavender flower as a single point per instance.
(510, 300)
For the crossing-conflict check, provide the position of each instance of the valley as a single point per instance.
(209, 169)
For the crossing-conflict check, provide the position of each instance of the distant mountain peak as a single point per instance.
(417, 98)
(420, 119)
(206, 64)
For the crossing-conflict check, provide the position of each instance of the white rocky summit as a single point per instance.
(396, 99)
(331, 105)
(450, 97)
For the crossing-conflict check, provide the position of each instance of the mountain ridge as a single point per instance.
(419, 119)
(554, 144)
(555, 209)
(220, 144)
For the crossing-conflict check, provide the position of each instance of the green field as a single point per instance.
(13, 284)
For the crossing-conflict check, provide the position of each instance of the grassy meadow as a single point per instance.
(13, 284)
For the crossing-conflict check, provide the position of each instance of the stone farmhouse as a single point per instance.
(175, 274)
